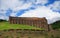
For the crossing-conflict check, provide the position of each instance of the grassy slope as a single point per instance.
(6, 25)
(56, 25)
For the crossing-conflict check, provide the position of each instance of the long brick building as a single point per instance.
(32, 21)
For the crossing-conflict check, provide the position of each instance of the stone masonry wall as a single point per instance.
(32, 21)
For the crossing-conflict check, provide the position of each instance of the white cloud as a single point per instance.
(2, 17)
(25, 6)
(10, 3)
(3, 11)
(42, 12)
(41, 2)
(6, 4)
(55, 6)
(16, 4)
(13, 14)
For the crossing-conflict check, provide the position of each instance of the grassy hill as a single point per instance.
(56, 25)
(6, 25)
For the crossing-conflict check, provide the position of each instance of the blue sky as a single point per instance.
(30, 8)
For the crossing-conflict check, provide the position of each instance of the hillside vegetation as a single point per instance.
(6, 25)
(56, 25)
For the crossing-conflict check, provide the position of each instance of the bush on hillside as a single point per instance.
(56, 25)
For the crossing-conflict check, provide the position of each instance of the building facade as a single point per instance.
(32, 21)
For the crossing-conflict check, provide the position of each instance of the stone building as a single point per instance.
(32, 21)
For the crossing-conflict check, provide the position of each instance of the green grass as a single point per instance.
(7, 25)
(56, 25)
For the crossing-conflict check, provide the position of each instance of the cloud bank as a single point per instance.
(30, 8)
(42, 12)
